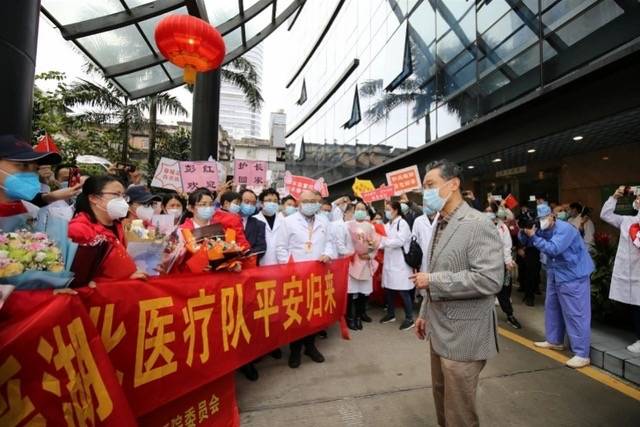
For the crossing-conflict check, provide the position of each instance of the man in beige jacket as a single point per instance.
(465, 273)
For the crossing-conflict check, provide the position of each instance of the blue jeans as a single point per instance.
(407, 301)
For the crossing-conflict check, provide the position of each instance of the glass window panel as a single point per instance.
(458, 15)
(282, 5)
(258, 23)
(220, 12)
(173, 70)
(116, 46)
(417, 132)
(149, 26)
(589, 21)
(489, 13)
(142, 79)
(72, 11)
(233, 40)
(248, 3)
(394, 54)
(135, 3)
(563, 12)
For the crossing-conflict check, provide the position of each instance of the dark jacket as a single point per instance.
(255, 233)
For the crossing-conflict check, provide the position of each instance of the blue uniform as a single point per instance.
(568, 299)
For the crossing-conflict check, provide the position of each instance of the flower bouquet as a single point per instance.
(146, 245)
(214, 253)
(31, 261)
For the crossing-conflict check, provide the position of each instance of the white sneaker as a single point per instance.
(578, 362)
(545, 344)
(635, 347)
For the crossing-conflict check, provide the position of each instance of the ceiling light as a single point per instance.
(577, 138)
(605, 158)
(498, 160)
(470, 167)
(532, 150)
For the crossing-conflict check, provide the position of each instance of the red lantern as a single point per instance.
(190, 43)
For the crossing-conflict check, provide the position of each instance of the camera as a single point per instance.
(527, 221)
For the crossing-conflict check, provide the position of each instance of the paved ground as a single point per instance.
(381, 378)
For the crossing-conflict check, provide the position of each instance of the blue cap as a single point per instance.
(543, 210)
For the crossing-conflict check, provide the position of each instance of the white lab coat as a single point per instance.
(294, 234)
(423, 230)
(341, 239)
(507, 243)
(625, 281)
(269, 257)
(395, 271)
(588, 228)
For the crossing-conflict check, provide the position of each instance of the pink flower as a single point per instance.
(40, 236)
(36, 246)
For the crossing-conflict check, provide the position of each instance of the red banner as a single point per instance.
(385, 192)
(166, 345)
(295, 185)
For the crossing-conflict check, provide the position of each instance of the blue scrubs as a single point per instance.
(568, 299)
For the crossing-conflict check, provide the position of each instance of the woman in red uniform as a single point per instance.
(99, 209)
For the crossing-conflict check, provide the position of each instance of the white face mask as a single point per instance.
(636, 205)
(177, 213)
(545, 223)
(117, 208)
(145, 212)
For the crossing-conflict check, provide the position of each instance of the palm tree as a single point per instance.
(104, 103)
(243, 74)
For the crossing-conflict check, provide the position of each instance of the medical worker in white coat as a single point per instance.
(270, 201)
(625, 281)
(304, 236)
(395, 271)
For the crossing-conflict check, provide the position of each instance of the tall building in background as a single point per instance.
(278, 128)
(236, 116)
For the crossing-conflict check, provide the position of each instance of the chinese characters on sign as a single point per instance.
(383, 193)
(250, 173)
(404, 180)
(198, 174)
(168, 175)
(295, 185)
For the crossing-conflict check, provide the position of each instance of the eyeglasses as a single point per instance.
(117, 195)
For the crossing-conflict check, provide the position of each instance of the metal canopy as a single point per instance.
(117, 35)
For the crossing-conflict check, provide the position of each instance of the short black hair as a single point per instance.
(577, 206)
(350, 207)
(60, 167)
(229, 196)
(285, 199)
(448, 169)
(197, 195)
(248, 190)
(325, 202)
(167, 197)
(268, 191)
(93, 186)
(395, 205)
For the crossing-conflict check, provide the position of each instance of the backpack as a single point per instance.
(413, 257)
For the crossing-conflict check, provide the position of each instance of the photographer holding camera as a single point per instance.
(528, 260)
(568, 299)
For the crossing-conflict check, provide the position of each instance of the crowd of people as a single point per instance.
(469, 255)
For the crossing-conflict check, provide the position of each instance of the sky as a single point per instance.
(56, 54)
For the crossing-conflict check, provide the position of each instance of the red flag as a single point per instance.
(45, 144)
(510, 201)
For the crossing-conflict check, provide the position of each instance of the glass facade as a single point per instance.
(429, 68)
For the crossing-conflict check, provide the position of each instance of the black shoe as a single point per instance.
(388, 318)
(521, 289)
(358, 323)
(365, 318)
(250, 372)
(407, 324)
(322, 334)
(514, 322)
(351, 324)
(294, 360)
(538, 292)
(314, 354)
(530, 301)
(276, 354)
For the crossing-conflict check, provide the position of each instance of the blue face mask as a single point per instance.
(387, 214)
(404, 208)
(309, 209)
(432, 199)
(205, 212)
(360, 215)
(21, 185)
(247, 210)
(234, 208)
(270, 208)
(290, 210)
(64, 184)
(428, 211)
